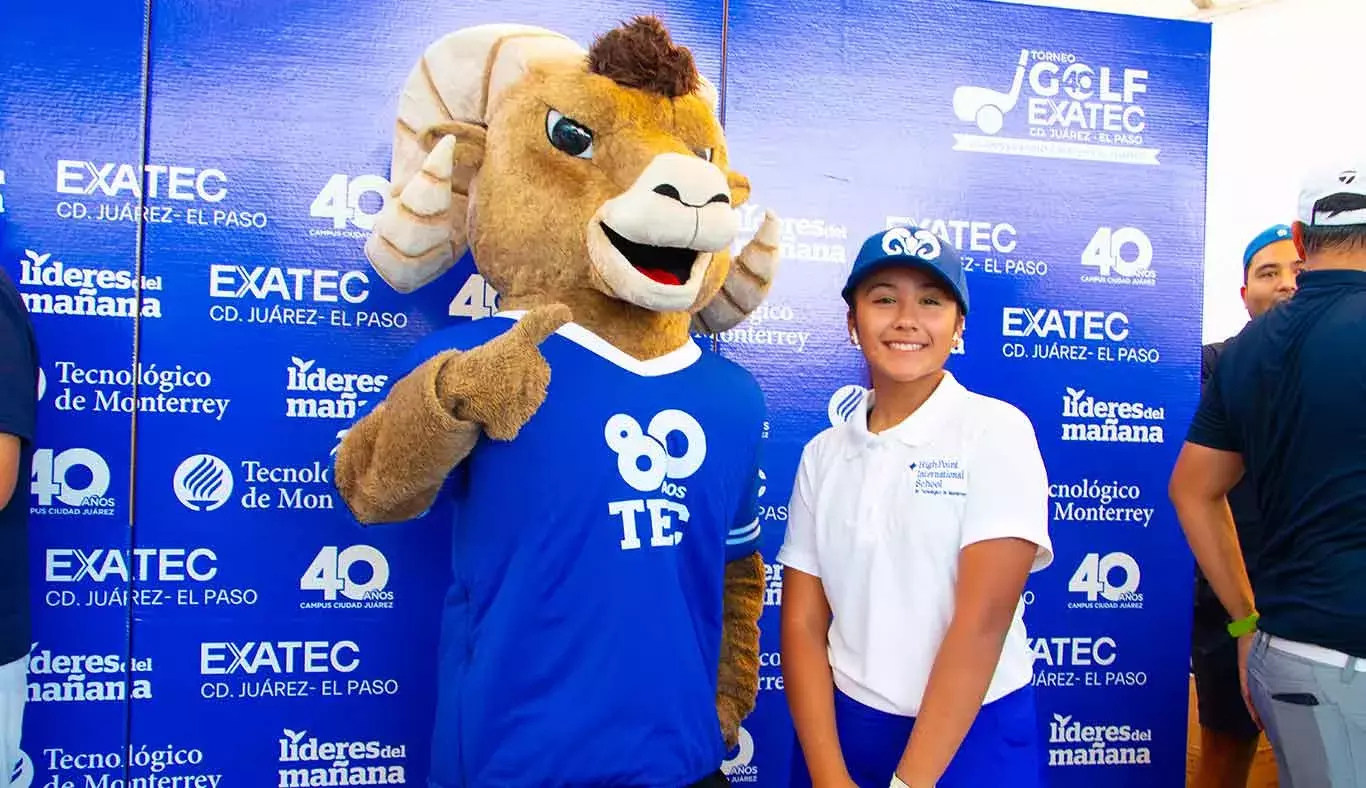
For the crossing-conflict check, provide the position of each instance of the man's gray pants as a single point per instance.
(1314, 714)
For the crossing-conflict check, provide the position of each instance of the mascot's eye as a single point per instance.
(705, 153)
(568, 136)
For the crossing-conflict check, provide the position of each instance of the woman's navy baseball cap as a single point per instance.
(909, 246)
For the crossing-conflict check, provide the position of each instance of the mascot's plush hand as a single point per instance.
(502, 383)
(392, 462)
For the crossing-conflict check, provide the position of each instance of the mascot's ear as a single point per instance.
(448, 101)
(468, 153)
(708, 92)
(739, 188)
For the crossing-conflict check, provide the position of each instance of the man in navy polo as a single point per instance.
(1287, 407)
(1228, 734)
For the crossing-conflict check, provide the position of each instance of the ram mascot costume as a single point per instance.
(601, 625)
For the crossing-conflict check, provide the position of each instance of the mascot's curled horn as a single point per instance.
(601, 627)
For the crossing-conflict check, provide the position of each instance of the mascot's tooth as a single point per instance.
(769, 231)
(404, 272)
(717, 314)
(759, 259)
(429, 193)
(417, 223)
(747, 283)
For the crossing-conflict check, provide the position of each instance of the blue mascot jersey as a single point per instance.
(581, 633)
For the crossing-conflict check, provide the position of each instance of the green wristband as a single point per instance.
(1243, 626)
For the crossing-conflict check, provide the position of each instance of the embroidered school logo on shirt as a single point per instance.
(938, 477)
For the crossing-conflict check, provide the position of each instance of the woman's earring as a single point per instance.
(853, 339)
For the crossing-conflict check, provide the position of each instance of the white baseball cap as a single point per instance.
(1347, 184)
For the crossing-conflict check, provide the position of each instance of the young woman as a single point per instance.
(914, 525)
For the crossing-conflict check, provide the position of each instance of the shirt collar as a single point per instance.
(1331, 278)
(918, 428)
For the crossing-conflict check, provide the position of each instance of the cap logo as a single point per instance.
(1347, 176)
(920, 243)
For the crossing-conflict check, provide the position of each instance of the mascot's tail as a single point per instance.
(445, 105)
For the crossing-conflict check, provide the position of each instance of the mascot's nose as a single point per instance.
(671, 191)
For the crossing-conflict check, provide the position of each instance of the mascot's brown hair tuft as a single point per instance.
(640, 54)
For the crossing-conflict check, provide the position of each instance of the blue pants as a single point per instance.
(1001, 748)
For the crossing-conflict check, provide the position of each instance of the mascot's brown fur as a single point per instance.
(591, 187)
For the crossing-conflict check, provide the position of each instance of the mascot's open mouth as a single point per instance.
(668, 265)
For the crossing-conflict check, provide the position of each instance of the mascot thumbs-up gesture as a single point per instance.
(601, 625)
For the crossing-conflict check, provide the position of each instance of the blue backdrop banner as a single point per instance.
(185, 189)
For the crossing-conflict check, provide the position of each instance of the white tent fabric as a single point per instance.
(1167, 9)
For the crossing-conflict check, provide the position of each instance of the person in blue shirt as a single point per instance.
(598, 467)
(18, 427)
(1284, 408)
(1228, 734)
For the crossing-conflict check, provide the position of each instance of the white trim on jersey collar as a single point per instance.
(919, 427)
(673, 361)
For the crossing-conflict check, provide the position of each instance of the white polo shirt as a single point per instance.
(880, 519)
